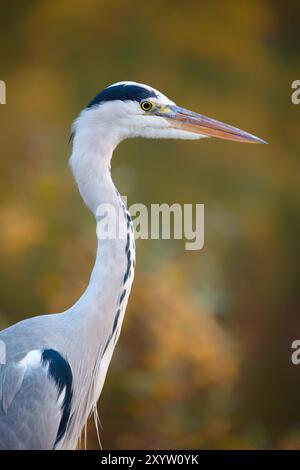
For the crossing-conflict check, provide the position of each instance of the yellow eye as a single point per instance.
(146, 106)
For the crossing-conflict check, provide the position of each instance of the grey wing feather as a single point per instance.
(10, 383)
(30, 407)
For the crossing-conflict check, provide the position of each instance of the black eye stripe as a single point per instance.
(123, 93)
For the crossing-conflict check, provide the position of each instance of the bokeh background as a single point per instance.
(204, 359)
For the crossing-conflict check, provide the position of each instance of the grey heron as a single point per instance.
(56, 364)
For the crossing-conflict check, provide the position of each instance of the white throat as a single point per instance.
(93, 146)
(99, 313)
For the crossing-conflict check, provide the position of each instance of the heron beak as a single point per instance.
(189, 121)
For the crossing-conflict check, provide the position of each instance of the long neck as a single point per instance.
(102, 306)
(93, 324)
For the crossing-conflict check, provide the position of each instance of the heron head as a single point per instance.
(130, 109)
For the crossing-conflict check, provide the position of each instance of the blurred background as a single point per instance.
(204, 359)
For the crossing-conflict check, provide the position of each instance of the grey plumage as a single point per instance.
(30, 408)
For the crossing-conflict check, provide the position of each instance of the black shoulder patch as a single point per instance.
(59, 370)
(122, 92)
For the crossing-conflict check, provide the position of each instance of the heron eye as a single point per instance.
(146, 105)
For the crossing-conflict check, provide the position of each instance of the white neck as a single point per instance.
(97, 316)
(93, 147)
